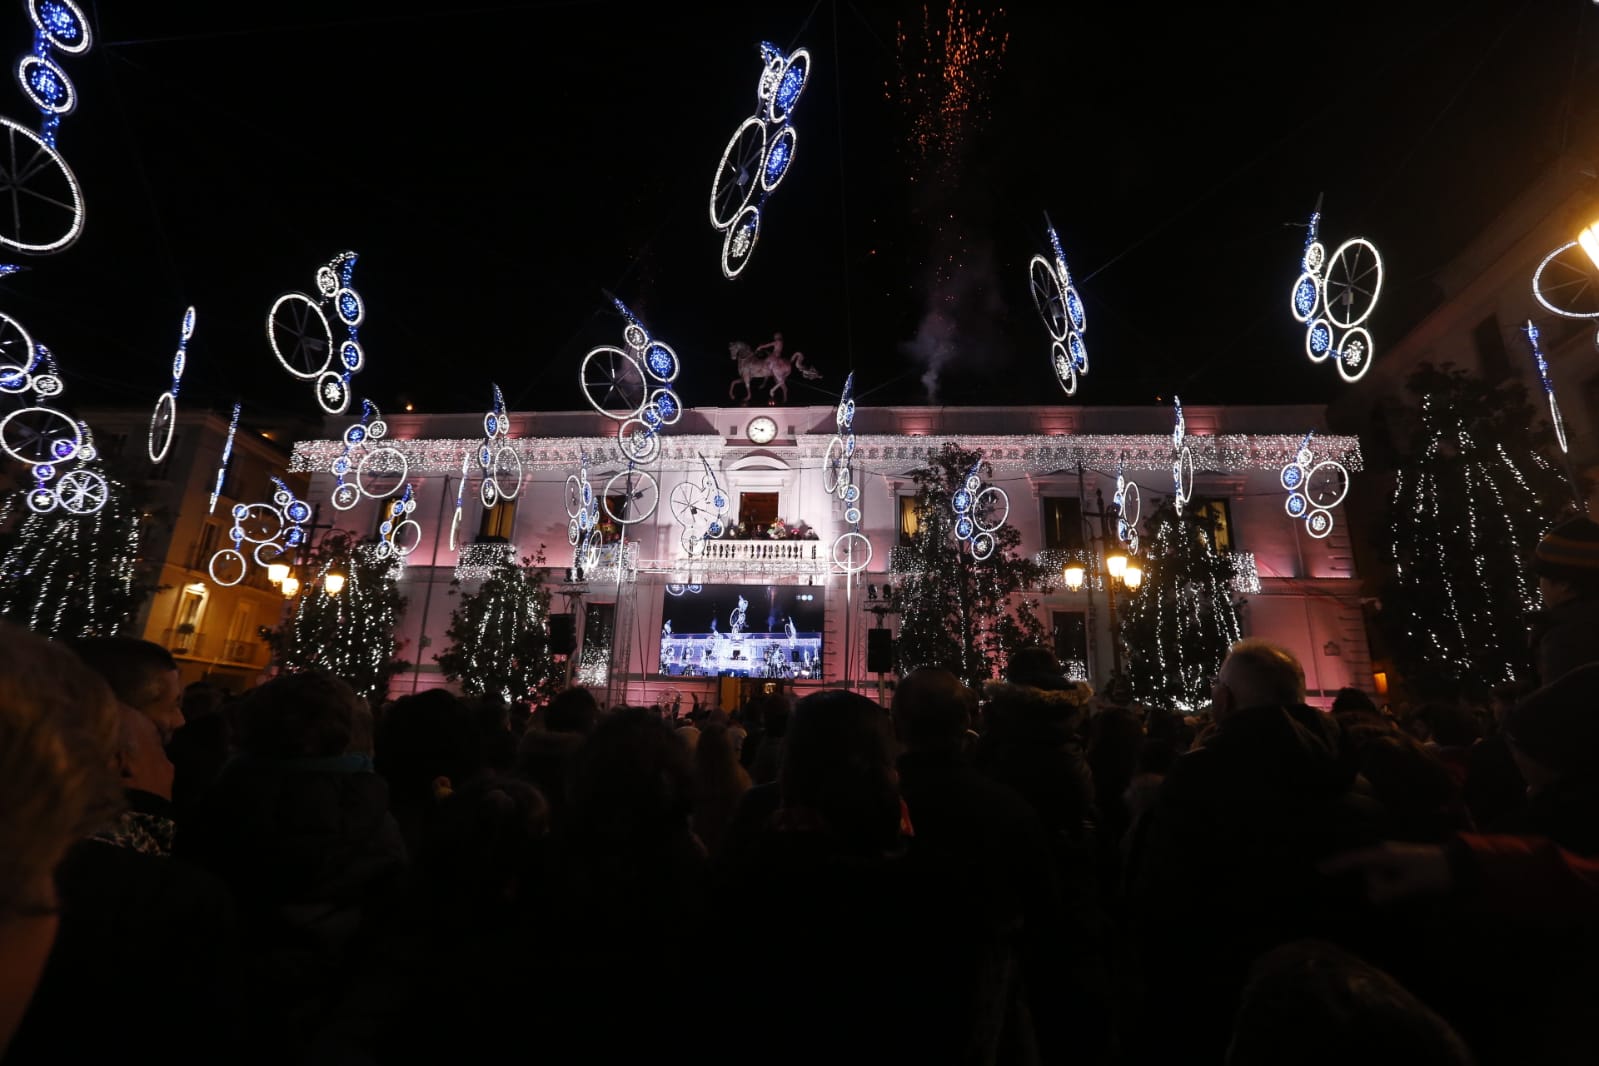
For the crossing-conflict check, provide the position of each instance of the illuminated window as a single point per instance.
(498, 522)
(909, 522)
(1215, 517)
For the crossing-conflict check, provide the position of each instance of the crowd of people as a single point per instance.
(1022, 874)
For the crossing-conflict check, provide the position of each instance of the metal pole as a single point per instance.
(1304, 601)
(427, 596)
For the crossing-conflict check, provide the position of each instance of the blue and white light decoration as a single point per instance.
(498, 463)
(852, 551)
(366, 459)
(633, 387)
(1548, 386)
(165, 418)
(758, 156)
(272, 529)
(1061, 308)
(45, 213)
(1314, 489)
(297, 328)
(1182, 460)
(700, 510)
(583, 514)
(41, 436)
(1128, 509)
(979, 512)
(227, 454)
(399, 534)
(1337, 293)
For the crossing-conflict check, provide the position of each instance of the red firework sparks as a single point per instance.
(944, 74)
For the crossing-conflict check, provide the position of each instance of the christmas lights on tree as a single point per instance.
(1181, 621)
(956, 611)
(350, 633)
(1467, 511)
(499, 635)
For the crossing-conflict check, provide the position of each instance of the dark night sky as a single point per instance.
(497, 166)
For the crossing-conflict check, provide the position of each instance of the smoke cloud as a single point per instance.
(958, 323)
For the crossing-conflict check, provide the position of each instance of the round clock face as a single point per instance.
(761, 430)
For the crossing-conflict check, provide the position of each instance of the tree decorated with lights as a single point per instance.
(68, 574)
(958, 611)
(1180, 622)
(499, 635)
(1468, 507)
(351, 632)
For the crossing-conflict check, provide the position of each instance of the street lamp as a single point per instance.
(1116, 563)
(1132, 575)
(277, 573)
(1589, 239)
(1073, 575)
(332, 582)
(291, 587)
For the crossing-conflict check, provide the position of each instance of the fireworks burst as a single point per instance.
(943, 84)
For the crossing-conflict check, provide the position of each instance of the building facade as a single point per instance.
(659, 614)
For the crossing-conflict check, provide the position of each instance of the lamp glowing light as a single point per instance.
(277, 573)
(1116, 564)
(1074, 576)
(291, 587)
(333, 582)
(1589, 239)
(1133, 575)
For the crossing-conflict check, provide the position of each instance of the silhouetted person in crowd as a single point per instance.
(201, 745)
(143, 675)
(773, 714)
(428, 745)
(719, 783)
(1312, 1004)
(544, 754)
(1421, 798)
(1494, 785)
(60, 733)
(1565, 633)
(1225, 864)
(299, 828)
(1554, 737)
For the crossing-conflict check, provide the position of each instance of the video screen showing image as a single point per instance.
(742, 630)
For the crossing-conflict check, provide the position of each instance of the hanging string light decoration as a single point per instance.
(633, 387)
(758, 156)
(1314, 489)
(498, 463)
(583, 518)
(1061, 308)
(45, 212)
(1548, 386)
(979, 512)
(700, 510)
(302, 338)
(399, 534)
(368, 468)
(1182, 463)
(1333, 295)
(227, 454)
(271, 529)
(852, 551)
(164, 420)
(1128, 510)
(41, 435)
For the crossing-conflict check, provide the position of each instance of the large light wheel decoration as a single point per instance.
(228, 567)
(1060, 307)
(1566, 283)
(1305, 297)
(1352, 283)
(390, 457)
(40, 436)
(779, 157)
(1354, 354)
(739, 244)
(787, 86)
(1319, 340)
(1318, 524)
(613, 383)
(834, 470)
(691, 508)
(1049, 296)
(300, 336)
(738, 176)
(508, 471)
(41, 205)
(17, 349)
(640, 443)
(1183, 476)
(852, 553)
(990, 508)
(162, 424)
(81, 491)
(574, 497)
(1327, 484)
(635, 494)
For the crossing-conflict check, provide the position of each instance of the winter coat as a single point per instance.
(1565, 637)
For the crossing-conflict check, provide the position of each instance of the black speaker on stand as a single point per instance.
(563, 634)
(879, 651)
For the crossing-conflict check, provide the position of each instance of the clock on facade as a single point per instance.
(761, 430)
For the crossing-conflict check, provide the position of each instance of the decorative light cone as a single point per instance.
(291, 587)
(333, 582)
(1074, 576)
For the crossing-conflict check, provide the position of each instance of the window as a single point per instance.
(909, 521)
(1492, 359)
(1215, 517)
(1070, 630)
(205, 547)
(757, 510)
(1063, 522)
(498, 522)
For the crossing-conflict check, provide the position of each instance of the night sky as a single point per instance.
(497, 166)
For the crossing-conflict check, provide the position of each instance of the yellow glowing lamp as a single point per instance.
(1116, 564)
(333, 582)
(1133, 575)
(1589, 239)
(291, 587)
(276, 572)
(1074, 576)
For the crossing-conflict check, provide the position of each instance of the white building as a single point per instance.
(1057, 464)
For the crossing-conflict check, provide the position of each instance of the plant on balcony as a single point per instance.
(955, 611)
(1179, 624)
(499, 635)
(76, 575)
(351, 634)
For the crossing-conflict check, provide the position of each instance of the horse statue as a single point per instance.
(773, 366)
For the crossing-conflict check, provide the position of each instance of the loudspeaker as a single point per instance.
(563, 634)
(879, 651)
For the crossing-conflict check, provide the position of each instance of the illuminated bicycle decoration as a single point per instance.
(633, 387)
(1128, 510)
(301, 336)
(498, 463)
(700, 510)
(678, 588)
(1555, 417)
(757, 157)
(227, 455)
(1314, 489)
(1061, 308)
(399, 534)
(45, 212)
(1333, 296)
(164, 420)
(41, 435)
(980, 511)
(583, 518)
(1566, 281)
(1182, 462)
(368, 468)
(270, 529)
(852, 551)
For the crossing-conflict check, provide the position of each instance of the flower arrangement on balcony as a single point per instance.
(777, 530)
